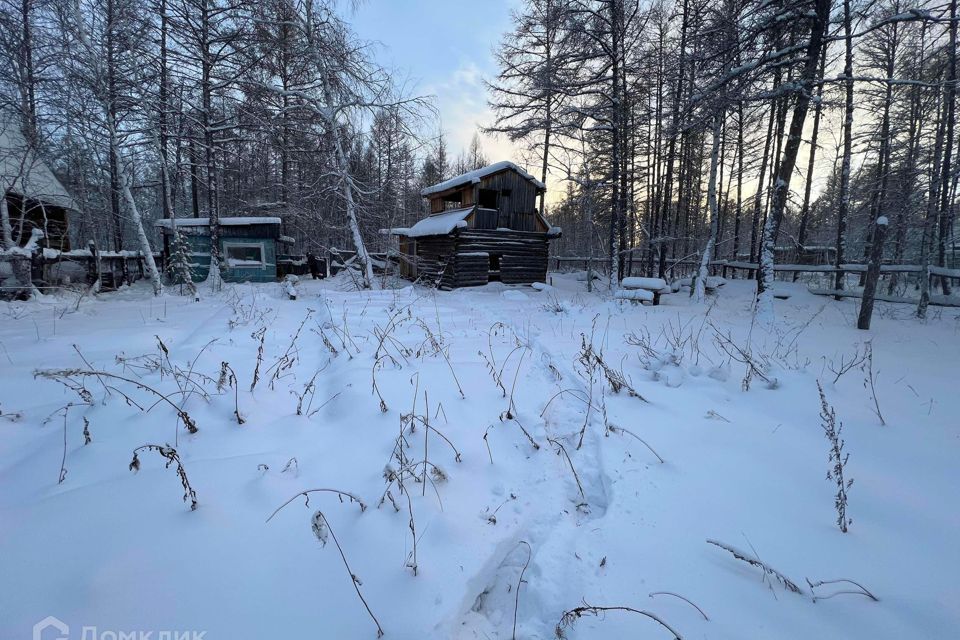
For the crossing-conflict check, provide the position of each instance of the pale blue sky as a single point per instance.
(443, 47)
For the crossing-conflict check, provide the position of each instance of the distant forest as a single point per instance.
(680, 131)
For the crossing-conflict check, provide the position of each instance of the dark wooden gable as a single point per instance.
(505, 199)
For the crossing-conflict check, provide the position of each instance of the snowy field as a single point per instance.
(517, 432)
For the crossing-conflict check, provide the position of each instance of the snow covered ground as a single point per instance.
(586, 515)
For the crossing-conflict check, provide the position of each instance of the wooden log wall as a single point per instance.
(523, 254)
(463, 258)
(471, 269)
(434, 260)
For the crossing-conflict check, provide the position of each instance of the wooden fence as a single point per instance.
(741, 269)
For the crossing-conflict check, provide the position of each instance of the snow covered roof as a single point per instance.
(22, 172)
(224, 222)
(440, 224)
(475, 176)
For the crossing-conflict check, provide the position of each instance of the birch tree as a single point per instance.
(97, 71)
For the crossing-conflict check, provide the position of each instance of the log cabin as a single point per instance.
(483, 226)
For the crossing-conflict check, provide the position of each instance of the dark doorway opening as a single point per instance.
(494, 275)
(487, 199)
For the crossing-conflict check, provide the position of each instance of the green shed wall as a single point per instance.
(200, 258)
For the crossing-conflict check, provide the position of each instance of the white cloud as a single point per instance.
(462, 103)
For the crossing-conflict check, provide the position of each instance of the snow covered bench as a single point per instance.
(634, 295)
(649, 284)
(645, 289)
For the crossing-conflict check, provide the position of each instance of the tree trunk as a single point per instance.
(914, 136)
(162, 115)
(214, 276)
(843, 206)
(738, 220)
(758, 196)
(873, 274)
(672, 145)
(347, 187)
(699, 291)
(781, 188)
(926, 245)
(28, 72)
(6, 230)
(946, 180)
(811, 166)
(616, 113)
(111, 114)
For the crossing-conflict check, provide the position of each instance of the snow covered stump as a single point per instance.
(289, 284)
(642, 290)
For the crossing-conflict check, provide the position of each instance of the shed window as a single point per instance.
(244, 255)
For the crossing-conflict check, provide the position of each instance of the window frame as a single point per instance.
(245, 245)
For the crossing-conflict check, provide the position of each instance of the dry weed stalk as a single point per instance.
(862, 591)
(855, 361)
(516, 603)
(593, 359)
(65, 410)
(569, 618)
(612, 428)
(309, 389)
(289, 358)
(171, 456)
(73, 380)
(259, 335)
(492, 518)
(12, 416)
(745, 357)
(385, 337)
(341, 495)
(439, 349)
(486, 441)
(751, 559)
(870, 381)
(321, 526)
(677, 595)
(511, 411)
(837, 458)
(228, 379)
(377, 365)
(562, 450)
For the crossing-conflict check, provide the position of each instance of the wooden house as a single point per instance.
(483, 226)
(33, 196)
(248, 246)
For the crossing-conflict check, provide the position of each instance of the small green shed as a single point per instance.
(248, 246)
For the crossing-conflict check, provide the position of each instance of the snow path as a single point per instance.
(121, 551)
